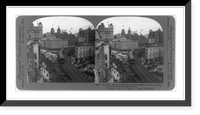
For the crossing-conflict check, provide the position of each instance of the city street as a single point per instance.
(145, 75)
(72, 71)
(134, 73)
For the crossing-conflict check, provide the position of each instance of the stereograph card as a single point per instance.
(115, 52)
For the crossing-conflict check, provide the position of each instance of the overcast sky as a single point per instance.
(140, 24)
(66, 23)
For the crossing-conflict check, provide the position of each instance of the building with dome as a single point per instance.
(52, 31)
(123, 33)
(53, 41)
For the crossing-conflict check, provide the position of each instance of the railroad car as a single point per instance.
(131, 57)
(61, 58)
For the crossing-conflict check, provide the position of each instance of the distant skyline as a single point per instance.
(141, 25)
(68, 24)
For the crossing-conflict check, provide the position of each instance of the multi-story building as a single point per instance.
(114, 42)
(151, 41)
(82, 39)
(100, 74)
(153, 52)
(158, 36)
(124, 44)
(35, 32)
(48, 34)
(106, 33)
(33, 65)
(88, 34)
(84, 50)
(36, 50)
(142, 43)
(117, 36)
(33, 52)
(53, 43)
(30, 62)
(97, 35)
(102, 62)
(107, 53)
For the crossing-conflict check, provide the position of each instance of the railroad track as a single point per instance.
(69, 73)
(77, 75)
(65, 79)
(140, 74)
(136, 80)
(73, 72)
(146, 76)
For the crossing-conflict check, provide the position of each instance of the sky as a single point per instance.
(140, 24)
(70, 24)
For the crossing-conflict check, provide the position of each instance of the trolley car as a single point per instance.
(61, 58)
(131, 57)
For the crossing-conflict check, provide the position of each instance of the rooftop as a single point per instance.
(51, 38)
(85, 44)
(150, 46)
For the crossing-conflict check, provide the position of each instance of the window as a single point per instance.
(105, 57)
(35, 56)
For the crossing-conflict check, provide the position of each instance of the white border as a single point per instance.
(12, 94)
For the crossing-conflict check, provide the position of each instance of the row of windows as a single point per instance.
(153, 53)
(154, 49)
(55, 44)
(85, 48)
(80, 52)
(85, 52)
